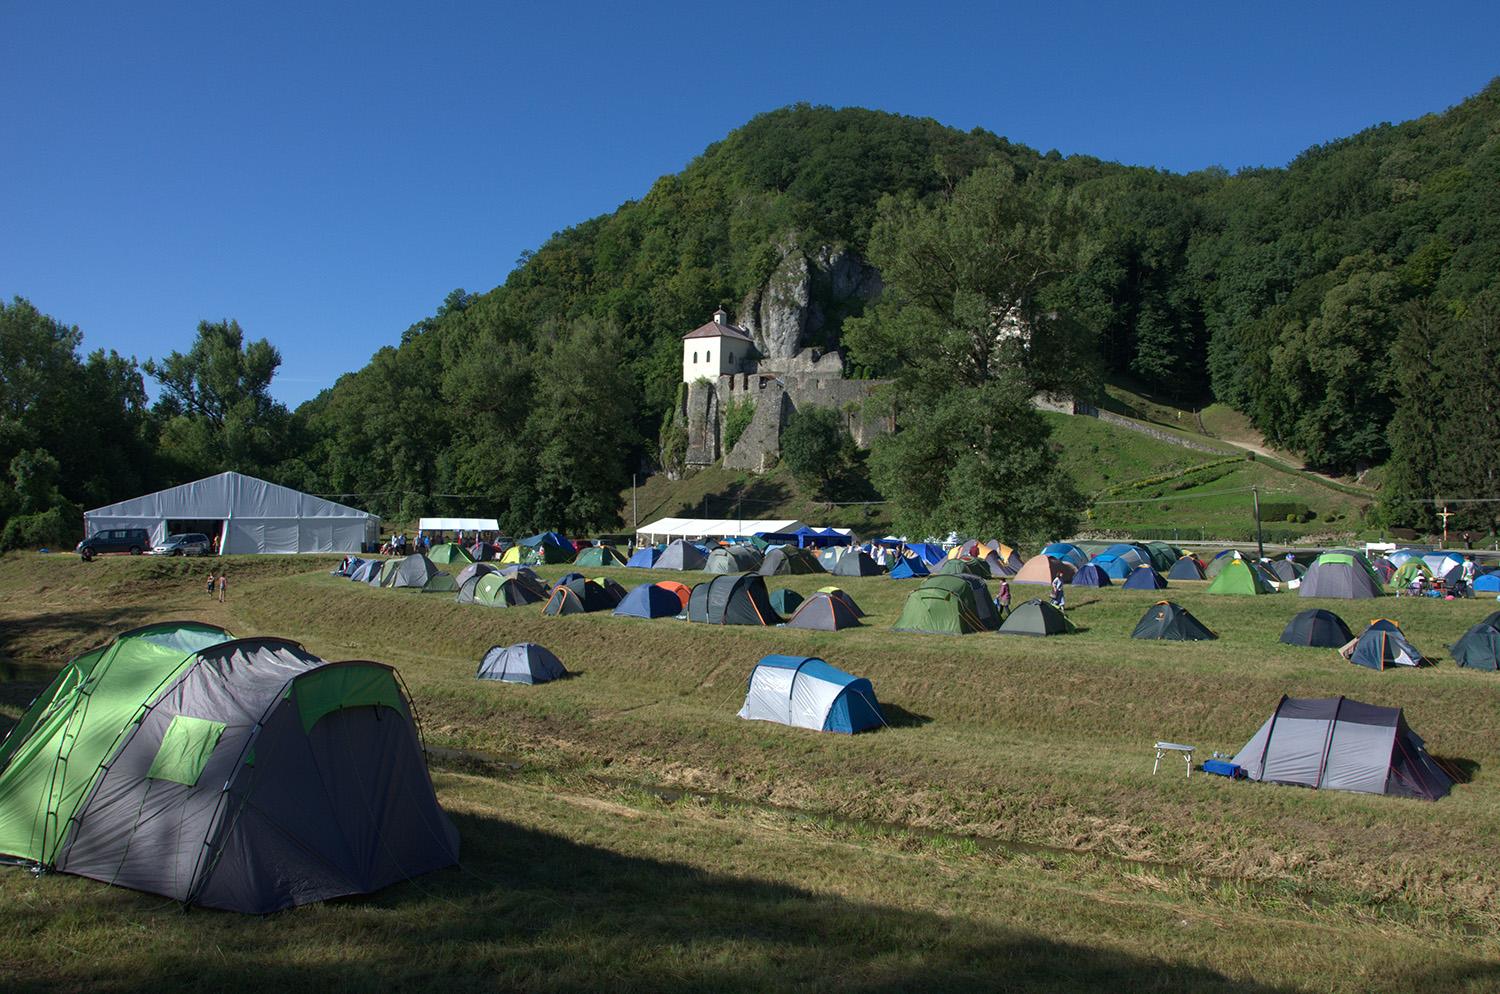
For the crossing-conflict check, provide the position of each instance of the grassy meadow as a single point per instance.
(624, 830)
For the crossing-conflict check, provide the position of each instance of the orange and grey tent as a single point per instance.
(824, 613)
(682, 590)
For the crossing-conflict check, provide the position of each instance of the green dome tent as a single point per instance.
(965, 565)
(1479, 649)
(951, 604)
(599, 555)
(1037, 617)
(449, 554)
(1408, 572)
(1239, 577)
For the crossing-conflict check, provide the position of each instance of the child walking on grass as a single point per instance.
(223, 586)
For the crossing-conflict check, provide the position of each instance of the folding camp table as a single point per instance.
(1163, 748)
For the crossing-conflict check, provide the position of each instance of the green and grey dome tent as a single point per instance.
(1037, 617)
(1165, 620)
(246, 775)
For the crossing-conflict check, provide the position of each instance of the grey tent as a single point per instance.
(1479, 649)
(261, 778)
(856, 562)
(731, 559)
(789, 560)
(1338, 574)
(1173, 622)
(1036, 617)
(1383, 645)
(414, 572)
(785, 600)
(474, 570)
(368, 571)
(1341, 744)
(525, 662)
(681, 555)
(824, 613)
(735, 599)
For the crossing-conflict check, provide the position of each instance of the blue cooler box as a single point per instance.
(1221, 767)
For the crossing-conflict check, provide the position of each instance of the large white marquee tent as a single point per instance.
(693, 529)
(249, 515)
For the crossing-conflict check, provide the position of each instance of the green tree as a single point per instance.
(73, 432)
(816, 448)
(216, 405)
(974, 287)
(977, 461)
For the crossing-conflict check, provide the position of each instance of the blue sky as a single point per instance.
(326, 173)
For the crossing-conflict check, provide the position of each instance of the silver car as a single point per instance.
(188, 544)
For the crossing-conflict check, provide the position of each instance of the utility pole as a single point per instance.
(635, 520)
(1260, 544)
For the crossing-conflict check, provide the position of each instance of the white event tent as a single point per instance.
(671, 529)
(248, 515)
(456, 524)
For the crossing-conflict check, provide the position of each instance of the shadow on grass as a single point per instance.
(532, 910)
(1460, 769)
(897, 716)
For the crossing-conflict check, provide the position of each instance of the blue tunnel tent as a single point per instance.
(806, 692)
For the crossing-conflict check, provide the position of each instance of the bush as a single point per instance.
(55, 528)
(737, 417)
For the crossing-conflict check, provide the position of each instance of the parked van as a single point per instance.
(131, 540)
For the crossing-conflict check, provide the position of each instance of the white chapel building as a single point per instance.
(717, 348)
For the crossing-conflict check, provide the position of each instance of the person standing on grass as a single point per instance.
(223, 586)
(212, 580)
(1002, 599)
(1057, 592)
(1469, 573)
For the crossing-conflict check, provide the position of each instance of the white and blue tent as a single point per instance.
(806, 692)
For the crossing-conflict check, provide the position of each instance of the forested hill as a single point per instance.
(1329, 300)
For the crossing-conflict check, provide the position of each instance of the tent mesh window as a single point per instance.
(185, 749)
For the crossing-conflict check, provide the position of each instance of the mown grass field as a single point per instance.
(1005, 832)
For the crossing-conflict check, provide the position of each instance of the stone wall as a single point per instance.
(701, 416)
(775, 399)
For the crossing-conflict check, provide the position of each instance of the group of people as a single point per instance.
(1462, 587)
(400, 545)
(218, 583)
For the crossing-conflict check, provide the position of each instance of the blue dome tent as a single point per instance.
(649, 601)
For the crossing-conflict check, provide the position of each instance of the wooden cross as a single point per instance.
(1445, 514)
